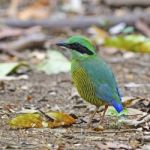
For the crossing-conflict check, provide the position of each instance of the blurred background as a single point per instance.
(119, 30)
(35, 73)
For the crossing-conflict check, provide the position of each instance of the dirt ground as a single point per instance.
(55, 93)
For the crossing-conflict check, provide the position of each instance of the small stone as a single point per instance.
(99, 128)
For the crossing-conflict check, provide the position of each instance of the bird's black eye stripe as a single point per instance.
(80, 48)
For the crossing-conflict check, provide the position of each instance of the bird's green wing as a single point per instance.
(103, 80)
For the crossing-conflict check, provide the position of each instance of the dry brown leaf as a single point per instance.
(99, 128)
(136, 102)
(129, 101)
(60, 119)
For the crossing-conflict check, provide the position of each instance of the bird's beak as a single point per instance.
(63, 44)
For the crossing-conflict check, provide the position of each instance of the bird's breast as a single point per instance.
(84, 84)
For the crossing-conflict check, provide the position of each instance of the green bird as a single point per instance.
(92, 77)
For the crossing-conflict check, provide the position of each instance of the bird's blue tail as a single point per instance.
(117, 106)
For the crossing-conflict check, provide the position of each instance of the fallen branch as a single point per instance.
(127, 2)
(79, 22)
(8, 33)
(30, 41)
(109, 132)
(146, 138)
(142, 26)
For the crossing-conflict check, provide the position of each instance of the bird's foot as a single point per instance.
(89, 124)
(103, 115)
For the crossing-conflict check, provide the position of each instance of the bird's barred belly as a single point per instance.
(85, 86)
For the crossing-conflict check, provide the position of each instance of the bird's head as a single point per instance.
(79, 44)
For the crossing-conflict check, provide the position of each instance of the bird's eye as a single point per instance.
(80, 48)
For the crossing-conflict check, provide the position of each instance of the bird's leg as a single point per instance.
(105, 109)
(91, 118)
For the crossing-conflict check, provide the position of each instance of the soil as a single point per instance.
(55, 92)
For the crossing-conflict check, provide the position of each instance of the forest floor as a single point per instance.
(55, 93)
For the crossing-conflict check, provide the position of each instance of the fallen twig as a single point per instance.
(27, 42)
(142, 26)
(127, 2)
(78, 22)
(8, 32)
(145, 138)
(109, 132)
(138, 122)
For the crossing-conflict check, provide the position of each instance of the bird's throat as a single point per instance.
(76, 55)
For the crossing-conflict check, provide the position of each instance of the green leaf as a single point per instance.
(7, 68)
(55, 63)
(128, 30)
(112, 112)
(26, 121)
(135, 43)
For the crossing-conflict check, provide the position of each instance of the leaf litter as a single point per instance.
(133, 42)
(35, 120)
(53, 64)
(7, 68)
(38, 84)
